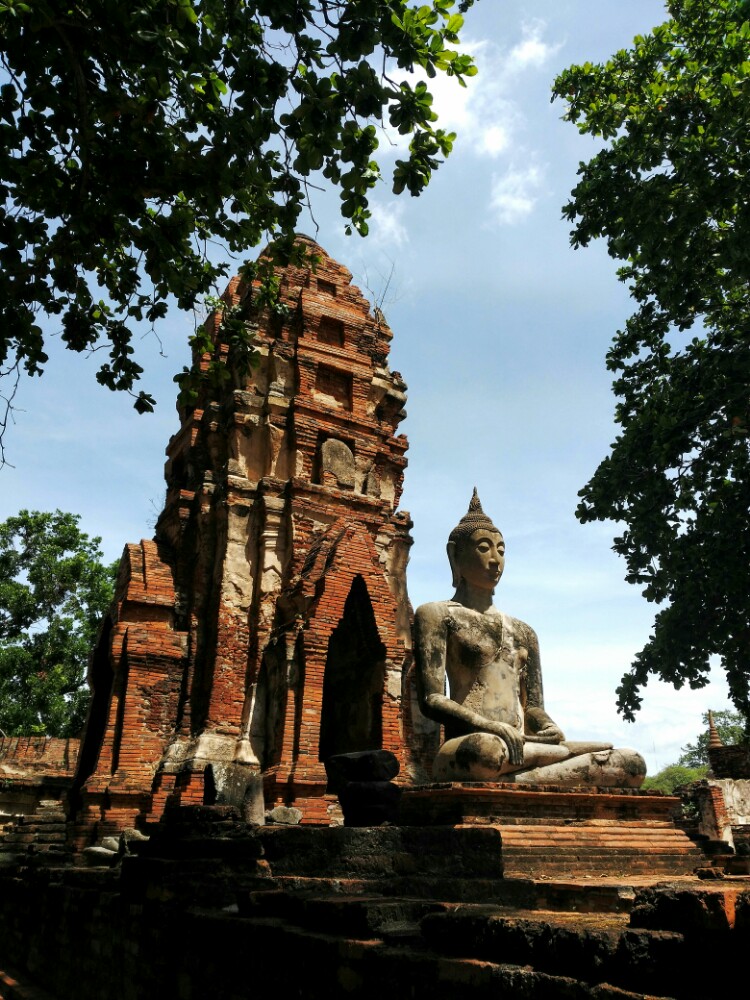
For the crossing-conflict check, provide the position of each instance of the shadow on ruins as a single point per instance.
(253, 804)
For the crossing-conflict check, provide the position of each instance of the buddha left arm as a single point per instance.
(538, 725)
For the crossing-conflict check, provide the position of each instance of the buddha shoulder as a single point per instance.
(521, 633)
(429, 617)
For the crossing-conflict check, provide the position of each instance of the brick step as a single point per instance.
(595, 829)
(582, 853)
(24, 839)
(598, 836)
(477, 803)
(596, 842)
(591, 948)
(513, 858)
(530, 822)
(623, 868)
(352, 916)
(39, 838)
(42, 818)
(603, 869)
(608, 847)
(559, 895)
(613, 844)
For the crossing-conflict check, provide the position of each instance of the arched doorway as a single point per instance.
(352, 714)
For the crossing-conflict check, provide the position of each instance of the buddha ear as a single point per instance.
(452, 559)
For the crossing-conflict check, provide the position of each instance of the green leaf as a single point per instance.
(668, 194)
(160, 136)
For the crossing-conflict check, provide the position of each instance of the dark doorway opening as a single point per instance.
(352, 717)
(101, 678)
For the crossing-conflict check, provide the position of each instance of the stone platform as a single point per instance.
(547, 830)
(212, 907)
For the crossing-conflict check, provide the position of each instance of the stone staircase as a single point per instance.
(410, 913)
(626, 946)
(435, 913)
(41, 835)
(597, 847)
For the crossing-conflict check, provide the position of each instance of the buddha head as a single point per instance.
(476, 549)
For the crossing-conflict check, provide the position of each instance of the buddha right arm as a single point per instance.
(431, 643)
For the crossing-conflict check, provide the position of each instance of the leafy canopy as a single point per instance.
(672, 777)
(669, 193)
(53, 592)
(133, 135)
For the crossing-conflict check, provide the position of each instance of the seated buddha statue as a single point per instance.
(496, 726)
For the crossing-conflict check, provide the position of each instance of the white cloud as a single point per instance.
(532, 51)
(495, 139)
(580, 681)
(386, 225)
(514, 193)
(483, 114)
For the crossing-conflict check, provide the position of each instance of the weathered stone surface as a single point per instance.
(45, 756)
(35, 773)
(381, 851)
(236, 785)
(369, 803)
(710, 874)
(337, 461)
(693, 912)
(131, 835)
(96, 856)
(367, 765)
(742, 918)
(285, 815)
(132, 841)
(594, 948)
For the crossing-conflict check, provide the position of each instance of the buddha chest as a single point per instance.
(485, 664)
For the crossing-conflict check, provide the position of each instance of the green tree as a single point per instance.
(672, 777)
(133, 135)
(670, 194)
(54, 591)
(730, 728)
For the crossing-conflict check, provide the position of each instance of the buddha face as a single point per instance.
(481, 558)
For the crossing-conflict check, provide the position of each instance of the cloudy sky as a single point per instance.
(500, 333)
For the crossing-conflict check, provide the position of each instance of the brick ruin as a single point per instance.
(267, 624)
(265, 628)
(34, 769)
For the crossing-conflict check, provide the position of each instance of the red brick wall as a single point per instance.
(38, 755)
(257, 546)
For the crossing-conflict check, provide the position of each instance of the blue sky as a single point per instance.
(500, 331)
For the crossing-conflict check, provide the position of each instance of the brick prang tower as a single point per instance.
(268, 624)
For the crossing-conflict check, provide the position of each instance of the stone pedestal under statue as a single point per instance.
(553, 831)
